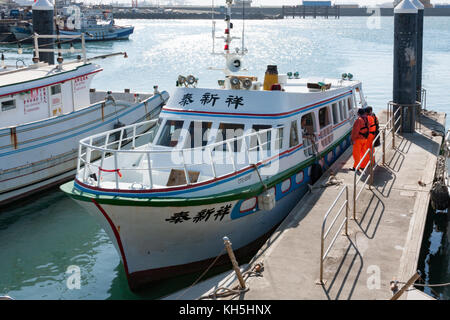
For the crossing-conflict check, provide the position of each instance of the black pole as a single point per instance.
(420, 18)
(405, 62)
(43, 12)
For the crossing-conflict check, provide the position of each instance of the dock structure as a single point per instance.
(383, 242)
(303, 11)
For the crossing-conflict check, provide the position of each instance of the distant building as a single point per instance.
(317, 3)
(442, 5)
(426, 3)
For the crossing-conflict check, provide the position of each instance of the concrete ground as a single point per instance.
(383, 243)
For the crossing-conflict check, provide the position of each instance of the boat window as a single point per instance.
(335, 113)
(229, 131)
(293, 138)
(307, 125)
(308, 133)
(170, 133)
(343, 109)
(350, 103)
(324, 117)
(55, 89)
(198, 134)
(8, 105)
(279, 139)
(264, 138)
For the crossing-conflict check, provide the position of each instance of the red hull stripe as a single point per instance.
(116, 234)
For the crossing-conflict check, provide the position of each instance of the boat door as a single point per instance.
(326, 135)
(55, 100)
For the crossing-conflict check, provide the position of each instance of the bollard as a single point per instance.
(234, 262)
(405, 62)
(43, 25)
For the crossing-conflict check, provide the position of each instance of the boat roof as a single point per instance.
(15, 80)
(263, 104)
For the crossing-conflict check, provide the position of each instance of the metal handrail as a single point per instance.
(324, 234)
(60, 50)
(357, 179)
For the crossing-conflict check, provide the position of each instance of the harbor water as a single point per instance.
(48, 237)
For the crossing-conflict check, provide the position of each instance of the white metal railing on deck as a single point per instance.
(254, 147)
(324, 234)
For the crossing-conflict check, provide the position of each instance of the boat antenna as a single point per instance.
(213, 27)
(243, 25)
(233, 63)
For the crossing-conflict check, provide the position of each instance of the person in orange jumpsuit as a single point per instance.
(373, 126)
(359, 136)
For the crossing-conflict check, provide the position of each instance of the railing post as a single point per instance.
(354, 196)
(101, 166)
(383, 134)
(213, 167)
(234, 262)
(321, 258)
(393, 129)
(372, 159)
(186, 172)
(116, 164)
(346, 210)
(120, 139)
(150, 175)
(83, 48)
(231, 155)
(79, 158)
(134, 136)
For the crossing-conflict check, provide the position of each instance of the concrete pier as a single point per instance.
(383, 243)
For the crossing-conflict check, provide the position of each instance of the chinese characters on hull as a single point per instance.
(203, 215)
(210, 99)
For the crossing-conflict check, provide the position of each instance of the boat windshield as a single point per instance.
(170, 133)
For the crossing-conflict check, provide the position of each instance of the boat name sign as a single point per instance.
(210, 99)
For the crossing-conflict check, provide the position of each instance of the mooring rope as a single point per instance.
(202, 275)
(223, 292)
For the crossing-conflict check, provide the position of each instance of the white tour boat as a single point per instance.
(44, 112)
(226, 161)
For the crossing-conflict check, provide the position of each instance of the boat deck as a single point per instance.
(383, 242)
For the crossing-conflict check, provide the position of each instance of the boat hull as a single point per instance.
(156, 243)
(43, 154)
(99, 35)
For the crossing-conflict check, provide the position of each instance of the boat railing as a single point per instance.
(125, 151)
(59, 50)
